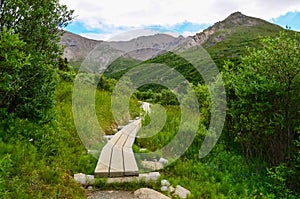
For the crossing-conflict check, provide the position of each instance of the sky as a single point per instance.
(124, 20)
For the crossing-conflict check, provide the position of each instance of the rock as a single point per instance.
(164, 188)
(90, 188)
(143, 149)
(90, 180)
(165, 183)
(171, 189)
(115, 130)
(130, 121)
(163, 161)
(108, 137)
(84, 179)
(146, 193)
(182, 192)
(153, 176)
(93, 152)
(122, 180)
(152, 165)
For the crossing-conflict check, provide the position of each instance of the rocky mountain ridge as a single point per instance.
(234, 20)
(142, 48)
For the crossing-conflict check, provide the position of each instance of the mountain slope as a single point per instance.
(77, 48)
(229, 39)
(225, 40)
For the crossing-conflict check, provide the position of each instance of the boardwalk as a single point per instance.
(117, 158)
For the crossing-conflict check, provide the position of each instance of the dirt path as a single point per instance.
(110, 195)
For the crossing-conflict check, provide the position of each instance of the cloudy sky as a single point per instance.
(121, 20)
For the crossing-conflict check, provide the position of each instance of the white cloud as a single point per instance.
(96, 36)
(138, 13)
(124, 36)
(110, 16)
(128, 35)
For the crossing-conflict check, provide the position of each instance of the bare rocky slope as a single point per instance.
(77, 47)
(225, 27)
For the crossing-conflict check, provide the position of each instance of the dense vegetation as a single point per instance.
(40, 149)
(257, 155)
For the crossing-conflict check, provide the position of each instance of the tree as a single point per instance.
(29, 57)
(264, 100)
(38, 22)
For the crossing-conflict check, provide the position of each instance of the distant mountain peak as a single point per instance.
(239, 19)
(235, 20)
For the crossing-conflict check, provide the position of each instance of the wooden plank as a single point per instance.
(130, 165)
(117, 163)
(120, 143)
(131, 138)
(116, 137)
(117, 158)
(102, 168)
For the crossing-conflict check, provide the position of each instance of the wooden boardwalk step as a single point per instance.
(117, 157)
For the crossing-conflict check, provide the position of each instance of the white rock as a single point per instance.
(143, 149)
(90, 179)
(153, 176)
(182, 192)
(146, 193)
(165, 183)
(163, 161)
(90, 188)
(84, 179)
(93, 152)
(115, 130)
(152, 165)
(164, 188)
(123, 179)
(108, 137)
(171, 189)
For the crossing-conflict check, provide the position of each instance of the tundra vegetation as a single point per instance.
(257, 156)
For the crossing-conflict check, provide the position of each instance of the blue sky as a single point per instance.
(290, 19)
(106, 19)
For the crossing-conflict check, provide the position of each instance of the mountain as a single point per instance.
(142, 48)
(225, 40)
(230, 38)
(76, 47)
(233, 24)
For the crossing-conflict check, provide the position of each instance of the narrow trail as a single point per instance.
(110, 195)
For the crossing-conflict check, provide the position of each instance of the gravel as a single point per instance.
(110, 195)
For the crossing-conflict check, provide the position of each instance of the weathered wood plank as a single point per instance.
(102, 168)
(130, 165)
(117, 158)
(117, 163)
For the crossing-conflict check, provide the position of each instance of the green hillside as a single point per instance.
(120, 66)
(238, 39)
(226, 40)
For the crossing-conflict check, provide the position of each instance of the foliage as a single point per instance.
(29, 55)
(238, 39)
(38, 23)
(264, 102)
(27, 83)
